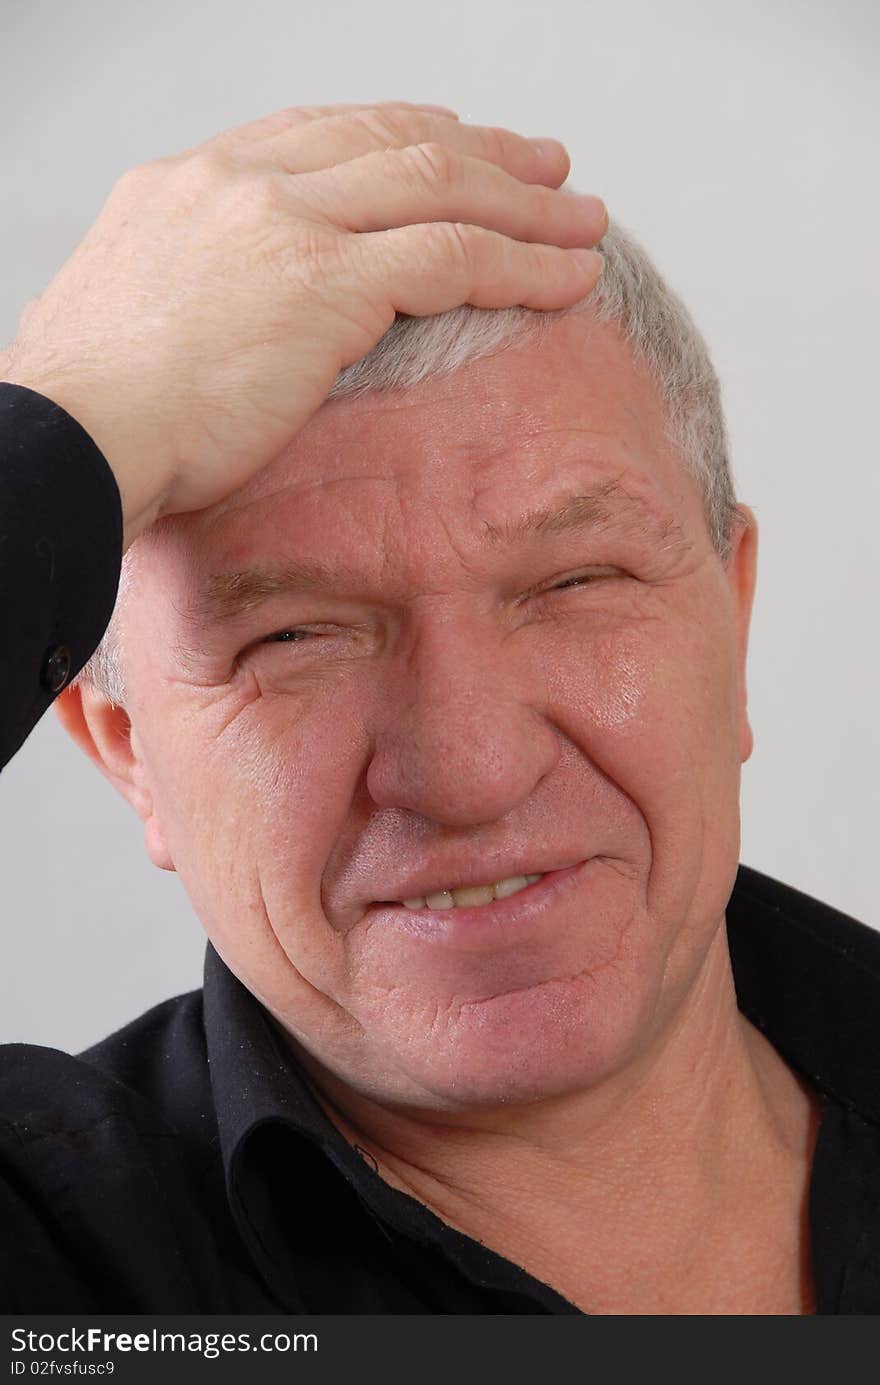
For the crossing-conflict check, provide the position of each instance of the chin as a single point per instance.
(549, 1040)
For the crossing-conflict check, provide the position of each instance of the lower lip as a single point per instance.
(487, 924)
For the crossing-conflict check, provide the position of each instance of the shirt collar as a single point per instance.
(254, 1079)
(258, 1090)
(808, 976)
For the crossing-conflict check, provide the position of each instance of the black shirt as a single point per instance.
(182, 1165)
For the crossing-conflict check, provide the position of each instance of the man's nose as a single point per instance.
(461, 736)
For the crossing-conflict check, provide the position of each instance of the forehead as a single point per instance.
(469, 453)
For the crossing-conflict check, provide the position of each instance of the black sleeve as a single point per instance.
(60, 556)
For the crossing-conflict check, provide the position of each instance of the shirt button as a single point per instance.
(56, 668)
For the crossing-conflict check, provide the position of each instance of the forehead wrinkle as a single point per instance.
(227, 594)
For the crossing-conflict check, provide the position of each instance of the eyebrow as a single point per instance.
(601, 505)
(228, 594)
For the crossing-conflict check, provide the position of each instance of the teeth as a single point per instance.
(472, 894)
(443, 899)
(466, 898)
(511, 886)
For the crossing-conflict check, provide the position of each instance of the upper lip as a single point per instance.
(463, 875)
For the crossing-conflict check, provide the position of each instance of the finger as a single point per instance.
(429, 269)
(332, 140)
(430, 182)
(318, 112)
(268, 127)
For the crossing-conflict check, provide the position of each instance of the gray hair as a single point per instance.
(630, 294)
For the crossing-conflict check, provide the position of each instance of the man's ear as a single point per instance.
(742, 571)
(104, 732)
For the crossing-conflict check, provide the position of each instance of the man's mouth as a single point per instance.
(477, 916)
(470, 896)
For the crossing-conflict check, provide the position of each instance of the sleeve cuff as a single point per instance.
(60, 555)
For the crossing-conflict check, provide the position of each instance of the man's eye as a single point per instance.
(328, 634)
(583, 579)
(572, 582)
(287, 637)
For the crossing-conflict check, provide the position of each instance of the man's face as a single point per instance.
(464, 701)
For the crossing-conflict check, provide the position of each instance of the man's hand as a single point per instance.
(206, 314)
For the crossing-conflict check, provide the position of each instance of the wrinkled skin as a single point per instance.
(442, 710)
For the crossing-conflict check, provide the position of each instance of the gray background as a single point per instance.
(738, 140)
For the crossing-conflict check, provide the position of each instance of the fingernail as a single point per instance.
(548, 146)
(593, 205)
(590, 259)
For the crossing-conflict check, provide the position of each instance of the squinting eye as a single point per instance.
(287, 637)
(585, 579)
(571, 582)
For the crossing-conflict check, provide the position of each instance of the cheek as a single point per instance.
(246, 795)
(656, 690)
(653, 706)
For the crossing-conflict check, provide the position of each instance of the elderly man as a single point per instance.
(427, 675)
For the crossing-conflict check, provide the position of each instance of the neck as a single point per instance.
(679, 1184)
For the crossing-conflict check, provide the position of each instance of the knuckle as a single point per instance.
(289, 117)
(209, 180)
(458, 242)
(142, 185)
(461, 239)
(431, 162)
(316, 258)
(382, 126)
(319, 249)
(499, 144)
(135, 178)
(254, 213)
(259, 194)
(206, 168)
(182, 179)
(295, 115)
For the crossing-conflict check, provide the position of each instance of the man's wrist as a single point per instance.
(141, 491)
